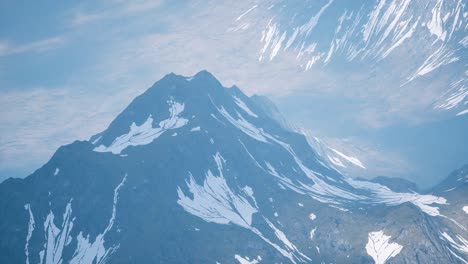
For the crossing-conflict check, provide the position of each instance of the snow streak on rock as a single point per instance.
(146, 133)
(215, 201)
(312, 233)
(321, 190)
(245, 126)
(243, 106)
(56, 238)
(95, 252)
(59, 237)
(282, 237)
(352, 160)
(459, 243)
(379, 248)
(382, 194)
(31, 226)
(246, 260)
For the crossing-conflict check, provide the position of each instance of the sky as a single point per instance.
(68, 68)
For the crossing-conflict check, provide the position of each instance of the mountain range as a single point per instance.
(194, 172)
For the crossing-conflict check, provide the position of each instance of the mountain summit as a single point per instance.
(194, 172)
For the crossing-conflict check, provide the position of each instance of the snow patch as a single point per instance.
(382, 194)
(246, 260)
(95, 252)
(312, 233)
(243, 106)
(57, 238)
(339, 208)
(336, 161)
(459, 243)
(312, 216)
(96, 140)
(451, 189)
(215, 201)
(379, 248)
(353, 160)
(244, 125)
(282, 237)
(31, 226)
(146, 133)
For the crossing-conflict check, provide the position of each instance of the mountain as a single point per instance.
(193, 172)
(457, 179)
(400, 151)
(396, 184)
(270, 109)
(455, 189)
(349, 165)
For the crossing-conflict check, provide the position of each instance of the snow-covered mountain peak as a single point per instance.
(176, 105)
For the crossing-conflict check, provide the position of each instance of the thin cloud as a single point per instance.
(81, 18)
(38, 46)
(36, 122)
(118, 9)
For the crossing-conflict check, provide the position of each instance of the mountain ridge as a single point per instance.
(191, 177)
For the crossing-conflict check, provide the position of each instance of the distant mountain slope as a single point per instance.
(396, 184)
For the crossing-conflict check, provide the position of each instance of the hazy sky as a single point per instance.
(68, 68)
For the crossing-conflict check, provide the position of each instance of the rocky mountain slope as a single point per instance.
(193, 172)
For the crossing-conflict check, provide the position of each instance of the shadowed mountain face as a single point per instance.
(193, 172)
